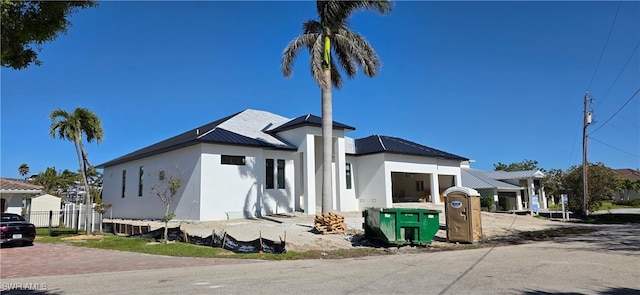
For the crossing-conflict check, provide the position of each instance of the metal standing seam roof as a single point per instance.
(308, 120)
(387, 144)
(10, 186)
(514, 174)
(255, 128)
(477, 179)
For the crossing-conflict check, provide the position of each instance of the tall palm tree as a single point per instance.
(23, 170)
(72, 127)
(326, 37)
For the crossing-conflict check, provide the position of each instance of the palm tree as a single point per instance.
(325, 38)
(23, 170)
(71, 126)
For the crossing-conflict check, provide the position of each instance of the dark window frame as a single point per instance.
(280, 173)
(348, 176)
(269, 174)
(140, 180)
(124, 183)
(233, 160)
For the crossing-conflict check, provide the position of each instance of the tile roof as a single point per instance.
(633, 175)
(476, 179)
(499, 175)
(308, 120)
(8, 185)
(387, 144)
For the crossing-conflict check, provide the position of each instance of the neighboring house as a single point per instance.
(255, 163)
(16, 194)
(42, 207)
(633, 176)
(518, 186)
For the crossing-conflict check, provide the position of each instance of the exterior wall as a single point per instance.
(369, 176)
(238, 191)
(45, 203)
(626, 195)
(350, 201)
(186, 205)
(13, 202)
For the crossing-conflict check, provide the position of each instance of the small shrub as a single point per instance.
(486, 202)
(634, 203)
(504, 204)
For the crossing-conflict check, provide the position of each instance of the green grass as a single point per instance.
(613, 218)
(608, 205)
(148, 246)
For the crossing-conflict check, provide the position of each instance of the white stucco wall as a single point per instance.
(369, 178)
(232, 191)
(185, 161)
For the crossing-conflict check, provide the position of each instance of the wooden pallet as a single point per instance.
(329, 223)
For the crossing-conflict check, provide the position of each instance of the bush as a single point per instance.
(487, 202)
(504, 204)
(634, 203)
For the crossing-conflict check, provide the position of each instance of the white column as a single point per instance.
(339, 176)
(435, 189)
(309, 174)
(518, 201)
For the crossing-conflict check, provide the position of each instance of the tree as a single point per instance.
(519, 166)
(166, 189)
(553, 182)
(72, 127)
(29, 24)
(49, 180)
(625, 186)
(324, 38)
(23, 170)
(602, 185)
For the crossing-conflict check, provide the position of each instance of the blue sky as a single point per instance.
(490, 81)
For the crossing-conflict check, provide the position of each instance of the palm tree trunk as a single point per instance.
(87, 196)
(327, 144)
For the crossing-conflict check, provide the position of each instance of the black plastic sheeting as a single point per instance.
(226, 241)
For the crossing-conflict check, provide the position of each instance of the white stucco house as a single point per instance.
(256, 163)
(16, 195)
(517, 186)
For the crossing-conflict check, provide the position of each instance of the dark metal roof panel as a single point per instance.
(387, 144)
(308, 120)
(179, 141)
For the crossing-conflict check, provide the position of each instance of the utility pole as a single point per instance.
(585, 163)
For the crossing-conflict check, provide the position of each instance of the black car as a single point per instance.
(15, 229)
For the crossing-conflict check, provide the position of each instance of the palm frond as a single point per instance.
(346, 62)
(312, 26)
(336, 78)
(361, 52)
(317, 67)
(337, 13)
(291, 51)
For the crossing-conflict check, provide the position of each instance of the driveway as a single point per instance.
(50, 259)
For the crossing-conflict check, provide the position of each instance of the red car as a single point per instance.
(15, 229)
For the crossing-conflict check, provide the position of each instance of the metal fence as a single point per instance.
(69, 220)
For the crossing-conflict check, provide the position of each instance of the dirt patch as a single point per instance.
(296, 229)
(82, 237)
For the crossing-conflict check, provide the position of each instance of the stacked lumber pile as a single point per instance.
(329, 223)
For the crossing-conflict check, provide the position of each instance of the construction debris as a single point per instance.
(329, 223)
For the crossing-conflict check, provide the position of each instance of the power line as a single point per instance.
(605, 45)
(614, 114)
(620, 73)
(615, 148)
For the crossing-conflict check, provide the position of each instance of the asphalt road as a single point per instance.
(604, 262)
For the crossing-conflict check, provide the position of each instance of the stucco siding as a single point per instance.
(183, 162)
(369, 178)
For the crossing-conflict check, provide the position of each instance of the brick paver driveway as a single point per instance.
(48, 259)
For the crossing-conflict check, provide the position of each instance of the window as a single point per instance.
(280, 173)
(269, 173)
(140, 179)
(124, 181)
(232, 160)
(348, 175)
(420, 185)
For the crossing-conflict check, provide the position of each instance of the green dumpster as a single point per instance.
(401, 226)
